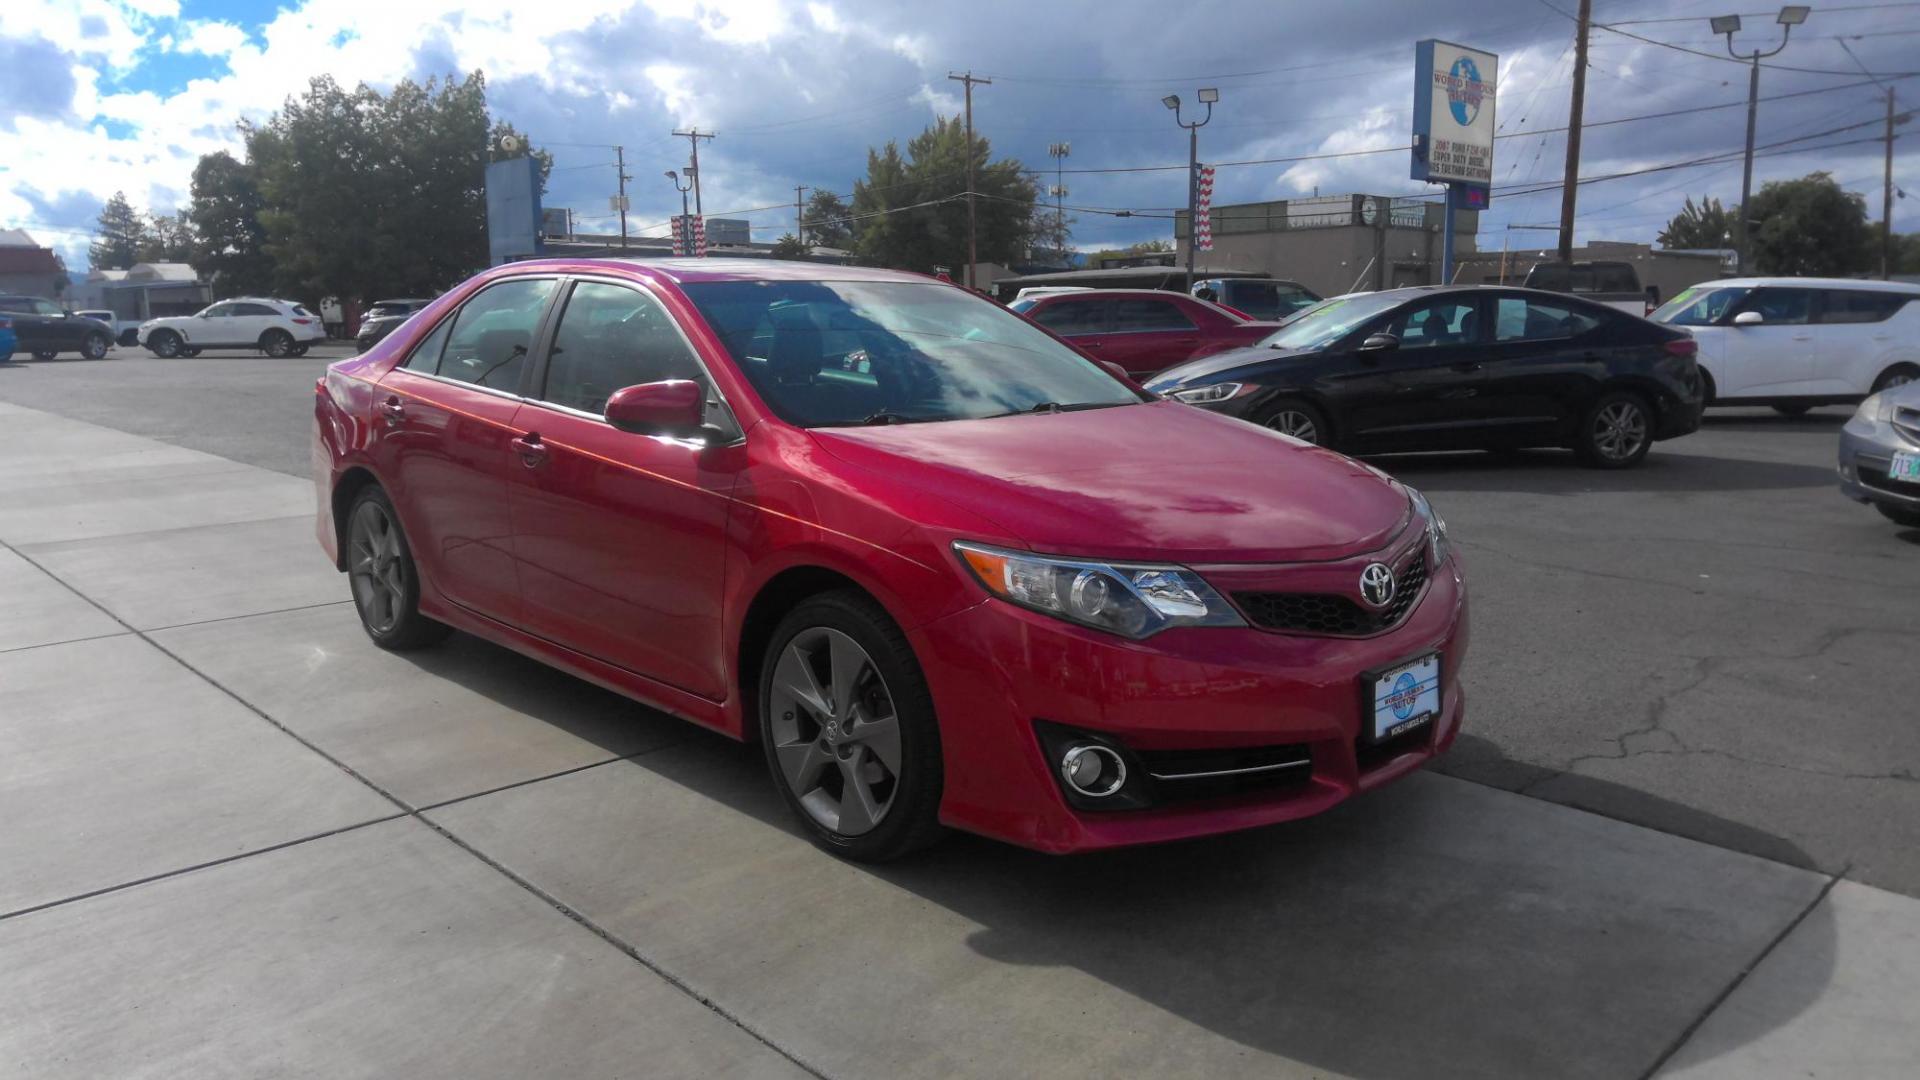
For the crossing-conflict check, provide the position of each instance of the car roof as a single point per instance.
(1101, 294)
(685, 271)
(1814, 283)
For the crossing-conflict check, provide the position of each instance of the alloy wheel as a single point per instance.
(836, 732)
(1619, 430)
(1295, 423)
(276, 343)
(376, 568)
(1898, 378)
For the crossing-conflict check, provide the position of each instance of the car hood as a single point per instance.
(1159, 481)
(1251, 358)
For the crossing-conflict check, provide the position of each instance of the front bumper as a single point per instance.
(996, 669)
(1867, 447)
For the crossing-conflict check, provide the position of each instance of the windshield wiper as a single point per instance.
(1056, 407)
(884, 417)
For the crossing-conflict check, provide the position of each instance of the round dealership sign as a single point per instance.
(1465, 91)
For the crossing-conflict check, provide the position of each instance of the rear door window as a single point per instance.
(1779, 307)
(493, 333)
(253, 309)
(1435, 323)
(425, 356)
(1860, 305)
(1521, 319)
(611, 337)
(1134, 316)
(1069, 317)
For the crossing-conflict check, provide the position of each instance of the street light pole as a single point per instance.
(1207, 97)
(1790, 16)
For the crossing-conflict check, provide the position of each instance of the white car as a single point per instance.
(1794, 343)
(275, 327)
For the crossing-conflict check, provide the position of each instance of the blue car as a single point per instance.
(8, 339)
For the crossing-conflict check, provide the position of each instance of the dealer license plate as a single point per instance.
(1405, 697)
(1906, 466)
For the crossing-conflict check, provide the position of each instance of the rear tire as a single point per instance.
(1792, 410)
(164, 344)
(1899, 515)
(1897, 375)
(298, 350)
(95, 346)
(276, 343)
(1707, 388)
(848, 728)
(1615, 432)
(383, 578)
(1297, 419)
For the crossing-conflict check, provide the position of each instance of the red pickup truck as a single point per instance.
(1143, 330)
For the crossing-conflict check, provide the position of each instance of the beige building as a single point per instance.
(1333, 244)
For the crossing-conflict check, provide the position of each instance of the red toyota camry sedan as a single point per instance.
(944, 569)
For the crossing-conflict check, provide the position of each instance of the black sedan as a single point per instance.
(382, 318)
(46, 329)
(1458, 367)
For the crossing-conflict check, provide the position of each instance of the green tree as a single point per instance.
(1809, 227)
(789, 247)
(1144, 247)
(1703, 225)
(229, 241)
(919, 211)
(169, 238)
(826, 221)
(118, 237)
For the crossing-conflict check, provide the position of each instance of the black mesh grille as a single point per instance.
(1331, 613)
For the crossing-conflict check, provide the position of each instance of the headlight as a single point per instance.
(1438, 546)
(1136, 600)
(1201, 395)
(1878, 407)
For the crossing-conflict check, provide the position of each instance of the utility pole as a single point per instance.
(1886, 201)
(973, 237)
(799, 215)
(693, 137)
(1060, 151)
(1570, 189)
(620, 166)
(1790, 16)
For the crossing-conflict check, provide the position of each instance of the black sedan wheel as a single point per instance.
(1616, 432)
(164, 344)
(95, 346)
(847, 725)
(1298, 420)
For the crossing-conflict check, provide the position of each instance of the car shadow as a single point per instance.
(1294, 939)
(1557, 472)
(1766, 420)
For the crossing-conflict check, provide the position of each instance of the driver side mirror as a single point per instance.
(1379, 343)
(1748, 318)
(674, 407)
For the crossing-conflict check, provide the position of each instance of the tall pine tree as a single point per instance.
(119, 236)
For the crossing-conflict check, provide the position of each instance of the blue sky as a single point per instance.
(105, 95)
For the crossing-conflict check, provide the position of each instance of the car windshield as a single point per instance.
(1698, 306)
(832, 353)
(1331, 321)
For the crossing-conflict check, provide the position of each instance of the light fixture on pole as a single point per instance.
(686, 227)
(1790, 16)
(1208, 96)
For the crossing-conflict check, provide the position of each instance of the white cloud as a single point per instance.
(210, 38)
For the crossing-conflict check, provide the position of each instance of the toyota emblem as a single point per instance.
(1377, 585)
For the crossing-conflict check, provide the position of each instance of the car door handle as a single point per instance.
(392, 411)
(533, 452)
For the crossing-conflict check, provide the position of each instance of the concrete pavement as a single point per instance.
(240, 841)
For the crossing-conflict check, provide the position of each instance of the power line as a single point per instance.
(1614, 29)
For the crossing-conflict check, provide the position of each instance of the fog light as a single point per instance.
(1093, 770)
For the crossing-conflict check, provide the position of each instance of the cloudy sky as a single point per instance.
(105, 95)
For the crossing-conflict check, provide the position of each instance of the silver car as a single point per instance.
(1880, 454)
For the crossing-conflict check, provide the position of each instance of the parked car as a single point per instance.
(944, 569)
(125, 331)
(1035, 292)
(1459, 367)
(1880, 454)
(1263, 299)
(1794, 343)
(275, 327)
(382, 317)
(1615, 284)
(45, 329)
(1142, 330)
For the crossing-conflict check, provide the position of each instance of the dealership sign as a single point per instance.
(1453, 106)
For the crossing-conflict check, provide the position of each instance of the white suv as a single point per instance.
(275, 327)
(1794, 343)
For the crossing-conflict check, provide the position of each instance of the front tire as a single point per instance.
(383, 577)
(297, 351)
(1616, 432)
(276, 343)
(95, 346)
(1297, 419)
(164, 344)
(848, 727)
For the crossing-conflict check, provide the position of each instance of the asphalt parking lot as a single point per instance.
(1677, 835)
